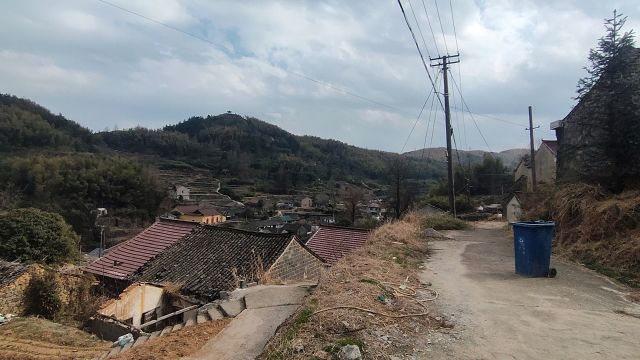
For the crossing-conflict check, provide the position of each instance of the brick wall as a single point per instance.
(296, 263)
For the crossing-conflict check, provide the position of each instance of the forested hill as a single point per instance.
(246, 148)
(25, 124)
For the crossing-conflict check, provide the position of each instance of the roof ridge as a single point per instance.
(345, 228)
(230, 229)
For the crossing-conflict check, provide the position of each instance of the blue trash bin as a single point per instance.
(532, 247)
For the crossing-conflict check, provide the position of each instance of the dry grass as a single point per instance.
(598, 228)
(362, 279)
(36, 338)
(183, 342)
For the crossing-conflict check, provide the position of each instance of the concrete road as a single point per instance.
(500, 315)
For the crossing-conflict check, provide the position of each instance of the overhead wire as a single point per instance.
(441, 27)
(418, 118)
(426, 68)
(419, 29)
(464, 102)
(218, 46)
(435, 42)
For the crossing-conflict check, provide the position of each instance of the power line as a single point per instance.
(201, 38)
(419, 29)
(418, 117)
(441, 27)
(415, 41)
(435, 43)
(455, 33)
(464, 102)
(415, 122)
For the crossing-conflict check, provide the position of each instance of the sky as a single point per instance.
(346, 70)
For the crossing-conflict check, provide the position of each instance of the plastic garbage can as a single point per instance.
(532, 247)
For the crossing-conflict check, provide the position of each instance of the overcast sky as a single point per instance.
(104, 67)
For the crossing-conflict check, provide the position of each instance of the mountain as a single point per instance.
(510, 157)
(249, 150)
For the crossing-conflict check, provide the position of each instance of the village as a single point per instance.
(227, 237)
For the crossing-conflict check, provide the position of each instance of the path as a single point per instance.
(500, 315)
(245, 337)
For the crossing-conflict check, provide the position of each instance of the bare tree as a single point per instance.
(352, 197)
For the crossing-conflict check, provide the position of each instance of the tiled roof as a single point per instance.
(332, 242)
(125, 258)
(196, 210)
(9, 271)
(203, 261)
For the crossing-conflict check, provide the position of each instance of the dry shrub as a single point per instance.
(599, 228)
(390, 256)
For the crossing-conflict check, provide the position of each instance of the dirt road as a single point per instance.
(500, 315)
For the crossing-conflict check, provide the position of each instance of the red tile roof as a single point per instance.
(333, 242)
(127, 257)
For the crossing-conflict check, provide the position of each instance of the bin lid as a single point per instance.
(537, 223)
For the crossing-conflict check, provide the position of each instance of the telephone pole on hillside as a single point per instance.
(445, 61)
(533, 150)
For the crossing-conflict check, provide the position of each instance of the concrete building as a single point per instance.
(181, 192)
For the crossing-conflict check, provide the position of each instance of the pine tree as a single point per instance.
(607, 53)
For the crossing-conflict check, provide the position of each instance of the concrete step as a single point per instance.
(232, 308)
(114, 350)
(127, 346)
(215, 314)
(202, 317)
(166, 330)
(190, 317)
(141, 340)
(154, 334)
(176, 327)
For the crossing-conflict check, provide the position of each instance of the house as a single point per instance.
(374, 209)
(214, 259)
(306, 203)
(127, 257)
(513, 209)
(546, 156)
(205, 214)
(333, 242)
(605, 116)
(545, 163)
(181, 192)
(523, 173)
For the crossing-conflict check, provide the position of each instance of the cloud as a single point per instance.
(102, 66)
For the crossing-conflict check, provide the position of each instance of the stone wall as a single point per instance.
(296, 263)
(585, 153)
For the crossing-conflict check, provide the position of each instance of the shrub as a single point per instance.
(43, 296)
(33, 235)
(444, 222)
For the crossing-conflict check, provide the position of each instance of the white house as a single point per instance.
(513, 209)
(182, 192)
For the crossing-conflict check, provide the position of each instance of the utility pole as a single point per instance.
(533, 150)
(445, 61)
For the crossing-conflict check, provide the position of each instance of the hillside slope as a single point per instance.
(510, 157)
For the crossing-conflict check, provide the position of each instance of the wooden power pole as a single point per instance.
(532, 161)
(445, 61)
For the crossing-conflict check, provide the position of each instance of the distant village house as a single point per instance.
(205, 214)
